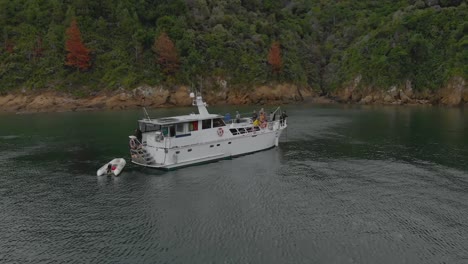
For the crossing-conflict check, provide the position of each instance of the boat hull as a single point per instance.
(211, 151)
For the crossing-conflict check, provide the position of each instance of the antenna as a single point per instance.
(201, 86)
(198, 90)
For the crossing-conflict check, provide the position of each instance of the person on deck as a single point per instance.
(283, 117)
(138, 134)
(237, 117)
(256, 123)
(262, 117)
(227, 117)
(254, 115)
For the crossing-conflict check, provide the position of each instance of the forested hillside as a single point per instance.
(319, 44)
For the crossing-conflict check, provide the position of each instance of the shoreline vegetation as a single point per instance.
(454, 94)
(85, 55)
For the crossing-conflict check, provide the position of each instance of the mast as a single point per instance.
(198, 102)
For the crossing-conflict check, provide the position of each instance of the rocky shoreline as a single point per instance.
(454, 94)
(145, 96)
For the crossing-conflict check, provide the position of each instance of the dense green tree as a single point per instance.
(324, 44)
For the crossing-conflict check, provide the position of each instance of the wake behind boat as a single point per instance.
(171, 142)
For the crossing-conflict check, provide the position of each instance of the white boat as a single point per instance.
(172, 142)
(114, 167)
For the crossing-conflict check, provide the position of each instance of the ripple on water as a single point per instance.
(333, 192)
(405, 203)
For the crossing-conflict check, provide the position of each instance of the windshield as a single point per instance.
(148, 127)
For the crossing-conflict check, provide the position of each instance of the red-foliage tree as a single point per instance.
(78, 54)
(166, 54)
(274, 57)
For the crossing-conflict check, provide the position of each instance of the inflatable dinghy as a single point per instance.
(114, 167)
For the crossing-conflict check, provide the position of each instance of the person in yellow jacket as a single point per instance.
(256, 123)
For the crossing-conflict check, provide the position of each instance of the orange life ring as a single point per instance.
(220, 131)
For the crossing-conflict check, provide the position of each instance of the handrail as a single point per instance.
(249, 114)
(147, 115)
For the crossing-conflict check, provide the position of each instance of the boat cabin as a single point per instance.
(181, 126)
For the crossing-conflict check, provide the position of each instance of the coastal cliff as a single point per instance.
(146, 96)
(455, 93)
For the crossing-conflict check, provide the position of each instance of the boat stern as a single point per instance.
(139, 154)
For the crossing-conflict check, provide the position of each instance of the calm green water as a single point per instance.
(347, 184)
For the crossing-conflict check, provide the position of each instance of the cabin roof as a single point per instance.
(179, 119)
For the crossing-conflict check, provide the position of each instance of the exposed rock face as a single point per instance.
(452, 95)
(346, 94)
(356, 96)
(367, 100)
(388, 98)
(404, 98)
(13, 103)
(465, 95)
(149, 97)
(408, 88)
(269, 95)
(393, 92)
(180, 97)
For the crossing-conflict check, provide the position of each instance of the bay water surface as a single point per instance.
(347, 184)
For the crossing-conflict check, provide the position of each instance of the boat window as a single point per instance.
(193, 126)
(242, 130)
(165, 131)
(180, 128)
(172, 130)
(149, 127)
(206, 124)
(168, 131)
(218, 122)
(249, 129)
(234, 131)
(257, 128)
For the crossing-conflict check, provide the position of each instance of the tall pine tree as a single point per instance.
(78, 54)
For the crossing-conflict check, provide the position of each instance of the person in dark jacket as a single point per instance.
(283, 117)
(138, 134)
(254, 115)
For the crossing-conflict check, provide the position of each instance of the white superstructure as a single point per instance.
(171, 142)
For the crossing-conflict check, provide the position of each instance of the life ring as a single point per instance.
(263, 125)
(133, 144)
(220, 132)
